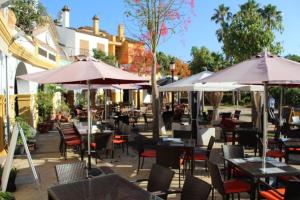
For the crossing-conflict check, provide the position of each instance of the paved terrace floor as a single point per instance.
(47, 156)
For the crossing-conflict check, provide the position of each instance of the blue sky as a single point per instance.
(201, 31)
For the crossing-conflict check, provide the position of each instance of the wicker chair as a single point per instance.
(171, 157)
(232, 151)
(70, 172)
(194, 189)
(142, 152)
(228, 187)
(159, 180)
(101, 143)
(182, 134)
(291, 192)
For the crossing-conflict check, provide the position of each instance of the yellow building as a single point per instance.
(22, 54)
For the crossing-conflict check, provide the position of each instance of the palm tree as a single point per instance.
(272, 17)
(250, 5)
(222, 14)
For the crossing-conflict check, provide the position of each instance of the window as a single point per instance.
(42, 52)
(84, 47)
(100, 47)
(52, 57)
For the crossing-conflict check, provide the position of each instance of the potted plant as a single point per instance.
(29, 133)
(45, 106)
(6, 196)
(11, 185)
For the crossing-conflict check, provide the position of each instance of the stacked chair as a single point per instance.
(69, 138)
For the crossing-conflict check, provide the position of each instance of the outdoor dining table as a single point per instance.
(110, 187)
(253, 168)
(186, 145)
(290, 144)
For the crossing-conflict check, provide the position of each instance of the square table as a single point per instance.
(253, 168)
(110, 186)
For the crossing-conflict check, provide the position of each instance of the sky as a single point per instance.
(201, 31)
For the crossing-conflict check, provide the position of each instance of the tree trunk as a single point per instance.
(155, 100)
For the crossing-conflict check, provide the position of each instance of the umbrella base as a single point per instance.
(94, 172)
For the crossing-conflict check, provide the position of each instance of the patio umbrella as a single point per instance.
(86, 71)
(265, 69)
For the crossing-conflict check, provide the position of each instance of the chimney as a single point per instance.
(66, 16)
(96, 24)
(121, 32)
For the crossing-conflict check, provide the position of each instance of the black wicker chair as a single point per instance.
(194, 189)
(169, 156)
(142, 152)
(291, 192)
(182, 134)
(100, 144)
(232, 151)
(159, 180)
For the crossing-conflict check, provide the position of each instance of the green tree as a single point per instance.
(203, 59)
(29, 15)
(164, 61)
(249, 31)
(100, 55)
(222, 16)
(293, 57)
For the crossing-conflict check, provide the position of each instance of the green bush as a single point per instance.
(6, 196)
(29, 132)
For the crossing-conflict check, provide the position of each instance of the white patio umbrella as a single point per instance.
(264, 69)
(87, 71)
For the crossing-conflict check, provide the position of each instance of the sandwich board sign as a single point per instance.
(10, 156)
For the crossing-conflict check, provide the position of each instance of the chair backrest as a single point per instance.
(160, 178)
(237, 114)
(195, 189)
(211, 143)
(168, 156)
(292, 190)
(233, 151)
(228, 125)
(182, 134)
(248, 137)
(216, 177)
(71, 172)
(101, 140)
(139, 144)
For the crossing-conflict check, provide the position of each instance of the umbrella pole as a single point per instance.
(89, 124)
(105, 105)
(280, 107)
(265, 121)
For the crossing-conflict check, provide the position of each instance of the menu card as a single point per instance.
(238, 160)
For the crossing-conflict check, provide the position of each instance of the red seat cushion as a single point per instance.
(149, 153)
(272, 195)
(199, 156)
(119, 141)
(275, 154)
(73, 142)
(236, 186)
(71, 137)
(93, 145)
(294, 149)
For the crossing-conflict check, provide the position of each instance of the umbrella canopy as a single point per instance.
(186, 84)
(164, 81)
(264, 67)
(78, 72)
(102, 86)
(88, 72)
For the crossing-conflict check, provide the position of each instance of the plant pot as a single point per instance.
(44, 127)
(11, 185)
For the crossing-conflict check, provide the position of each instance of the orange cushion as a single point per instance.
(149, 153)
(73, 142)
(236, 186)
(70, 137)
(272, 195)
(119, 141)
(275, 154)
(199, 156)
(294, 149)
(93, 145)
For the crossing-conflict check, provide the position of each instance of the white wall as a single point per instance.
(93, 41)
(67, 38)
